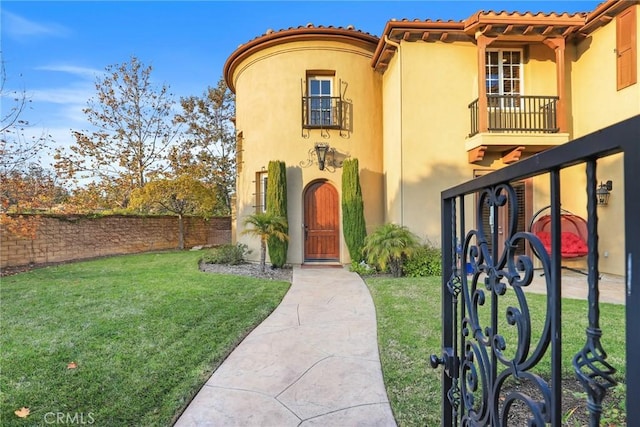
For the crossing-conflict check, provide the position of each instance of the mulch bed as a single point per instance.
(250, 270)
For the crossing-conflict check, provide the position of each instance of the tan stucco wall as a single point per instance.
(427, 122)
(269, 87)
(596, 103)
(426, 90)
(425, 125)
(540, 61)
(392, 139)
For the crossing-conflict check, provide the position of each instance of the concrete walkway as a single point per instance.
(575, 286)
(313, 362)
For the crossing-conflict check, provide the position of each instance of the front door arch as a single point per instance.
(321, 222)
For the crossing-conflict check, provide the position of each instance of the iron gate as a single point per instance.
(490, 345)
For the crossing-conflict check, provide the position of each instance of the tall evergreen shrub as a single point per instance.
(353, 223)
(277, 206)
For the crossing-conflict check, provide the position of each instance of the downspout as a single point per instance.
(397, 46)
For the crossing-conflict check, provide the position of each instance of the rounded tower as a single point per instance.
(309, 97)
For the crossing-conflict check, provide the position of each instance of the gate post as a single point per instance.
(448, 334)
(632, 276)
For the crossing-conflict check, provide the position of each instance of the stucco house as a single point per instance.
(427, 105)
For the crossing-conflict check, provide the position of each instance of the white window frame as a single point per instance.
(501, 75)
(323, 108)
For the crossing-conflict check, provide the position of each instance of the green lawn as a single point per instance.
(409, 330)
(145, 332)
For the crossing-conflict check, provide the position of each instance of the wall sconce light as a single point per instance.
(603, 192)
(326, 157)
(321, 152)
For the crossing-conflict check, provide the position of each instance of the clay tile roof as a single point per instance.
(560, 23)
(301, 32)
(271, 32)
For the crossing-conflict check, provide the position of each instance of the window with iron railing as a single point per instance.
(261, 191)
(320, 109)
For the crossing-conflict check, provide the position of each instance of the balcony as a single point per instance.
(323, 112)
(513, 124)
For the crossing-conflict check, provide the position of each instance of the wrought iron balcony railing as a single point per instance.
(322, 112)
(516, 113)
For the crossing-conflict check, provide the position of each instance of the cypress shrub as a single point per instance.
(277, 206)
(353, 223)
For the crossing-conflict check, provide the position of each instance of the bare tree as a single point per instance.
(132, 136)
(16, 149)
(210, 145)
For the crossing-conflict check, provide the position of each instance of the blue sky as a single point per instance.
(54, 50)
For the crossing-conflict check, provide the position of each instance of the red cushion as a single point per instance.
(571, 245)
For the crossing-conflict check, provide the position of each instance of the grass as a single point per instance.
(409, 331)
(145, 332)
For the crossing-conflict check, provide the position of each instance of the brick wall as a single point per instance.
(65, 238)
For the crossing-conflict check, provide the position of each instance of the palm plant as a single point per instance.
(265, 226)
(389, 245)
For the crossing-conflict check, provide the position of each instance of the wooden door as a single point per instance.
(321, 224)
(523, 190)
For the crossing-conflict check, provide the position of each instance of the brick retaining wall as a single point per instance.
(66, 238)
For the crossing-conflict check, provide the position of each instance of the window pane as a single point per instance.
(326, 87)
(509, 58)
(314, 87)
(503, 73)
(493, 87)
(264, 193)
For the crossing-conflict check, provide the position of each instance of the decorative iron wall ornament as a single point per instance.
(326, 157)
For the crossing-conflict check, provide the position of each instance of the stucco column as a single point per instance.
(558, 45)
(482, 43)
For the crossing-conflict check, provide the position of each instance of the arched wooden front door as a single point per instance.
(321, 224)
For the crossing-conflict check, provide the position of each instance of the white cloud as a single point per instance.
(18, 27)
(84, 72)
(77, 94)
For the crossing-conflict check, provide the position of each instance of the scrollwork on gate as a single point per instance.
(492, 357)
